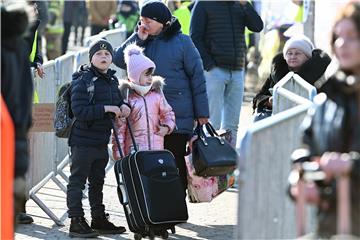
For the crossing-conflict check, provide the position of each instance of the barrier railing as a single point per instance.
(265, 211)
(294, 85)
(42, 140)
(49, 154)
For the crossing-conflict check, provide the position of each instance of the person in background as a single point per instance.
(36, 61)
(151, 116)
(179, 63)
(32, 39)
(69, 14)
(99, 14)
(43, 15)
(17, 91)
(128, 14)
(54, 29)
(299, 56)
(331, 131)
(80, 22)
(217, 29)
(182, 12)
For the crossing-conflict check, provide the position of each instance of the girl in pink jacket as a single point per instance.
(151, 116)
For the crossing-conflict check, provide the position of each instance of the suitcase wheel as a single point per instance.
(151, 234)
(164, 234)
(137, 236)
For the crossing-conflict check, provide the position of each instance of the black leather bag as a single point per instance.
(212, 155)
(262, 113)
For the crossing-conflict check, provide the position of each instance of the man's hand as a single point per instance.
(243, 2)
(163, 130)
(203, 121)
(40, 70)
(125, 110)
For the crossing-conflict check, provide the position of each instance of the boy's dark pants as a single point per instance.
(87, 163)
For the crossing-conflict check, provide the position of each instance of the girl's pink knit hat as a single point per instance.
(136, 62)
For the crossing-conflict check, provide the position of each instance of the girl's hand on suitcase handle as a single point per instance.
(125, 110)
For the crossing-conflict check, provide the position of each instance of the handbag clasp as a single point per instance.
(203, 140)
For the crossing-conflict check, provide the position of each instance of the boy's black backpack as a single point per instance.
(64, 117)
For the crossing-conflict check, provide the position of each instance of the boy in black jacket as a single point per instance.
(89, 138)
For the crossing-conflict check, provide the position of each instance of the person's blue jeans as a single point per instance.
(225, 90)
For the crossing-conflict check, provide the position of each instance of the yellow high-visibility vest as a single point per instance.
(32, 58)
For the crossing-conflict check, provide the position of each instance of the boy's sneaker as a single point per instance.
(80, 228)
(102, 225)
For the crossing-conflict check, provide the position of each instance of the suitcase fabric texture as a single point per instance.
(151, 192)
(205, 189)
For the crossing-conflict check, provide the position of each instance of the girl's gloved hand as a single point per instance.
(125, 111)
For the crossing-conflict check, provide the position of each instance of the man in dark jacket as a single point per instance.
(217, 29)
(17, 88)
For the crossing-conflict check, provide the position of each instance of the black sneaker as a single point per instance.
(80, 228)
(23, 218)
(102, 225)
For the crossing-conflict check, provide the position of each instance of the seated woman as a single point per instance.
(332, 130)
(298, 56)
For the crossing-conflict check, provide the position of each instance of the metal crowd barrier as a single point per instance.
(264, 209)
(42, 140)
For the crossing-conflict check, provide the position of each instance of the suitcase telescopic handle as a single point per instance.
(117, 138)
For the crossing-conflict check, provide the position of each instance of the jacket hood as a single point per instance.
(311, 70)
(90, 68)
(16, 18)
(172, 30)
(81, 70)
(157, 86)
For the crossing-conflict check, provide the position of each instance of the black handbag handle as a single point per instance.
(210, 129)
(131, 134)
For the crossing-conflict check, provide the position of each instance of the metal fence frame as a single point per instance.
(288, 88)
(264, 209)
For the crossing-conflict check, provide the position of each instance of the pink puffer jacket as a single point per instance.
(147, 113)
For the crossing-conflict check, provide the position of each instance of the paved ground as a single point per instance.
(215, 220)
